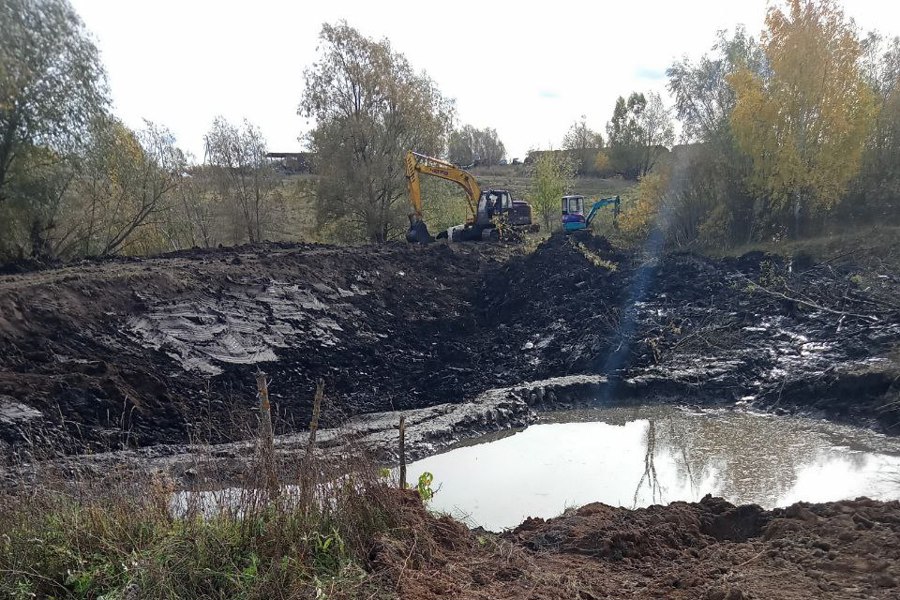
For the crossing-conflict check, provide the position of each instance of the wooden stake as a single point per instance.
(402, 453)
(266, 434)
(308, 478)
(314, 421)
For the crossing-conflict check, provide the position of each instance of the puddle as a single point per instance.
(636, 457)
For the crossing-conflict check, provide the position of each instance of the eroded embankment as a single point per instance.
(369, 436)
(117, 354)
(133, 353)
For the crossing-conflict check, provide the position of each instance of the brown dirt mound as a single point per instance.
(709, 550)
(602, 531)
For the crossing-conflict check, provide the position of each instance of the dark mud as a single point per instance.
(821, 339)
(131, 353)
(134, 353)
(370, 437)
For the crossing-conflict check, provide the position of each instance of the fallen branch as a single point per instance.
(809, 303)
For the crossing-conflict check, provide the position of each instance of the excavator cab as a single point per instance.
(493, 203)
(573, 213)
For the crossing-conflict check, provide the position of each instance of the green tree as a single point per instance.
(461, 146)
(39, 192)
(475, 146)
(126, 181)
(875, 192)
(370, 107)
(639, 133)
(713, 201)
(703, 97)
(805, 120)
(584, 144)
(622, 134)
(52, 86)
(551, 178)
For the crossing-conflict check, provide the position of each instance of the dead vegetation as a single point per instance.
(297, 530)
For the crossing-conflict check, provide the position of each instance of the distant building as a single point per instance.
(292, 162)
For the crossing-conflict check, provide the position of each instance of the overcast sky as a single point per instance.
(527, 72)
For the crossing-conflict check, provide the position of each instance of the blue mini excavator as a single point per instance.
(573, 218)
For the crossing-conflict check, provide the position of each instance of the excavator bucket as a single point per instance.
(418, 232)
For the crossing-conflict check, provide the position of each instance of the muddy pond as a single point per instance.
(638, 456)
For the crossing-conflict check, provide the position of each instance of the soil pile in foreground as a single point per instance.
(125, 353)
(710, 550)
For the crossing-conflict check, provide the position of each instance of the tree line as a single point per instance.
(76, 181)
(789, 135)
(781, 136)
(786, 136)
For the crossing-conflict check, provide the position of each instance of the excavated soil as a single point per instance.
(131, 353)
(709, 550)
(164, 350)
(140, 358)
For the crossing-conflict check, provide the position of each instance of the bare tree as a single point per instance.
(242, 176)
(125, 180)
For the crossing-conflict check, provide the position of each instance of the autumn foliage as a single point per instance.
(792, 135)
(805, 121)
(794, 132)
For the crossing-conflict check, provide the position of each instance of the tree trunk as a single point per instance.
(7, 153)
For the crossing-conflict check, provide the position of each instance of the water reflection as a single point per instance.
(647, 455)
(649, 477)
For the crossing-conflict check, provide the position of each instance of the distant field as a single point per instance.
(518, 181)
(293, 216)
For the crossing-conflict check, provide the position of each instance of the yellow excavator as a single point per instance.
(492, 214)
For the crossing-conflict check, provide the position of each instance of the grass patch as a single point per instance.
(123, 539)
(517, 179)
(879, 241)
(324, 524)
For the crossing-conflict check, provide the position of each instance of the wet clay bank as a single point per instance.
(105, 355)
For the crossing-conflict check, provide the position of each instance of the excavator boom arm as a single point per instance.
(412, 182)
(600, 204)
(419, 163)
